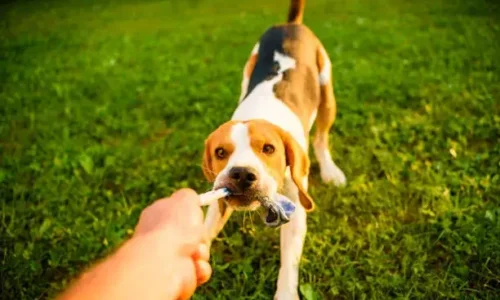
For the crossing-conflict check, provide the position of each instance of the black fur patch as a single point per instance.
(272, 40)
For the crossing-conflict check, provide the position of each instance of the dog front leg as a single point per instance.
(291, 244)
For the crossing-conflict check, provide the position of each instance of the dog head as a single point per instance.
(250, 159)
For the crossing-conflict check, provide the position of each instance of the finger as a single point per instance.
(202, 253)
(203, 271)
(189, 279)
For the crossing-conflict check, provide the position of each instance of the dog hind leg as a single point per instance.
(327, 111)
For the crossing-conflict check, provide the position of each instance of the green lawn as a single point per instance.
(105, 106)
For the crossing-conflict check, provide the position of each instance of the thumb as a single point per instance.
(185, 199)
(187, 215)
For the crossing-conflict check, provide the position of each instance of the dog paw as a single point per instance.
(330, 173)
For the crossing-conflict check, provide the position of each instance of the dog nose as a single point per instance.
(243, 177)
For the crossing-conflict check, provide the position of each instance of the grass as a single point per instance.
(105, 106)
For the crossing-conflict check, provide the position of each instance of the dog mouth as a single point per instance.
(274, 211)
(243, 201)
(248, 199)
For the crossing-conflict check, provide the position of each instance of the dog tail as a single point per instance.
(296, 11)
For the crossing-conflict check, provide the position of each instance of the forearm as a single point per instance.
(143, 268)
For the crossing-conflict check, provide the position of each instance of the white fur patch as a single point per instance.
(255, 49)
(285, 62)
(326, 72)
(243, 154)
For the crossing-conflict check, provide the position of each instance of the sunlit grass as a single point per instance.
(105, 106)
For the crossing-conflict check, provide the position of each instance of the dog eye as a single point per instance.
(268, 149)
(220, 153)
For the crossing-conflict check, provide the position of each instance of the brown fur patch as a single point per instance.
(320, 60)
(250, 65)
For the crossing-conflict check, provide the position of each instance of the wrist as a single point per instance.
(145, 267)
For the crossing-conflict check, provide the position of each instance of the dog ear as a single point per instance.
(298, 161)
(206, 164)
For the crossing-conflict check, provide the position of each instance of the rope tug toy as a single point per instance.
(278, 210)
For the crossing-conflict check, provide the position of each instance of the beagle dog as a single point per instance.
(263, 149)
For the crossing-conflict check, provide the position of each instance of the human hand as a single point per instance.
(179, 221)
